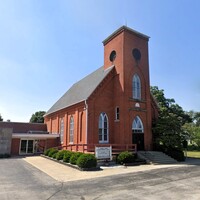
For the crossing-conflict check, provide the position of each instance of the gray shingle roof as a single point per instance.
(81, 90)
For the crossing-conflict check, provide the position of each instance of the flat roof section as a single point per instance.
(35, 136)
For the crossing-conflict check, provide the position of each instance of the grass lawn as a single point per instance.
(193, 154)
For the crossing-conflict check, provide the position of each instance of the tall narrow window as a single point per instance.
(71, 130)
(117, 113)
(81, 126)
(137, 125)
(103, 128)
(61, 130)
(136, 87)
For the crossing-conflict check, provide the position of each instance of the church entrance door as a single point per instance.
(138, 138)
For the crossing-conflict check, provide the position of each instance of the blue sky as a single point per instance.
(46, 46)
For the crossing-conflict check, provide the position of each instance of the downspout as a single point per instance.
(86, 108)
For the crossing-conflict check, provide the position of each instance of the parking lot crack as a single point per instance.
(59, 190)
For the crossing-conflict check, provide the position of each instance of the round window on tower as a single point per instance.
(136, 54)
(112, 56)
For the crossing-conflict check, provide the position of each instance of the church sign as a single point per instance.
(103, 152)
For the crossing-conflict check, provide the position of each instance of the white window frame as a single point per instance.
(81, 127)
(136, 87)
(103, 132)
(27, 140)
(71, 130)
(62, 126)
(137, 125)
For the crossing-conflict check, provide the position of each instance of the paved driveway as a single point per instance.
(21, 180)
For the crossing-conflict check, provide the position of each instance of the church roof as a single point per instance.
(81, 90)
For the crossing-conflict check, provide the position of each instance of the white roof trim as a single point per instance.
(35, 136)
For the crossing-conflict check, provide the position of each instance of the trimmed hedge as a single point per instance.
(82, 160)
(60, 155)
(54, 155)
(67, 156)
(87, 161)
(52, 152)
(126, 157)
(46, 152)
(74, 157)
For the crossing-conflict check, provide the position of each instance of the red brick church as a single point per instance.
(112, 105)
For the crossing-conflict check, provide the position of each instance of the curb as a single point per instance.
(72, 166)
(135, 164)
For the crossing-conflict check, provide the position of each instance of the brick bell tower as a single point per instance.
(127, 50)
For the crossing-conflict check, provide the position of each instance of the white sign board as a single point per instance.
(103, 152)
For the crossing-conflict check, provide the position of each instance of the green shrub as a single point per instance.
(46, 152)
(87, 161)
(60, 154)
(54, 155)
(73, 159)
(67, 156)
(193, 148)
(126, 157)
(52, 152)
(177, 154)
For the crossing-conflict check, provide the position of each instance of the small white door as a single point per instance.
(26, 147)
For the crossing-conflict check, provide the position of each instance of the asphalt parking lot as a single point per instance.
(21, 180)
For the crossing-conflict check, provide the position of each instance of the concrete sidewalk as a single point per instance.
(64, 173)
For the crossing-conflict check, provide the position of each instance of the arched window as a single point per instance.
(61, 130)
(136, 87)
(103, 128)
(137, 125)
(71, 130)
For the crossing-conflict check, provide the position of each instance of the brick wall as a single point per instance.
(19, 127)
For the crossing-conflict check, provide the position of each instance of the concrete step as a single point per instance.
(156, 157)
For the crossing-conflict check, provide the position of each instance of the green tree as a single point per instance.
(38, 117)
(197, 118)
(193, 128)
(1, 119)
(168, 130)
